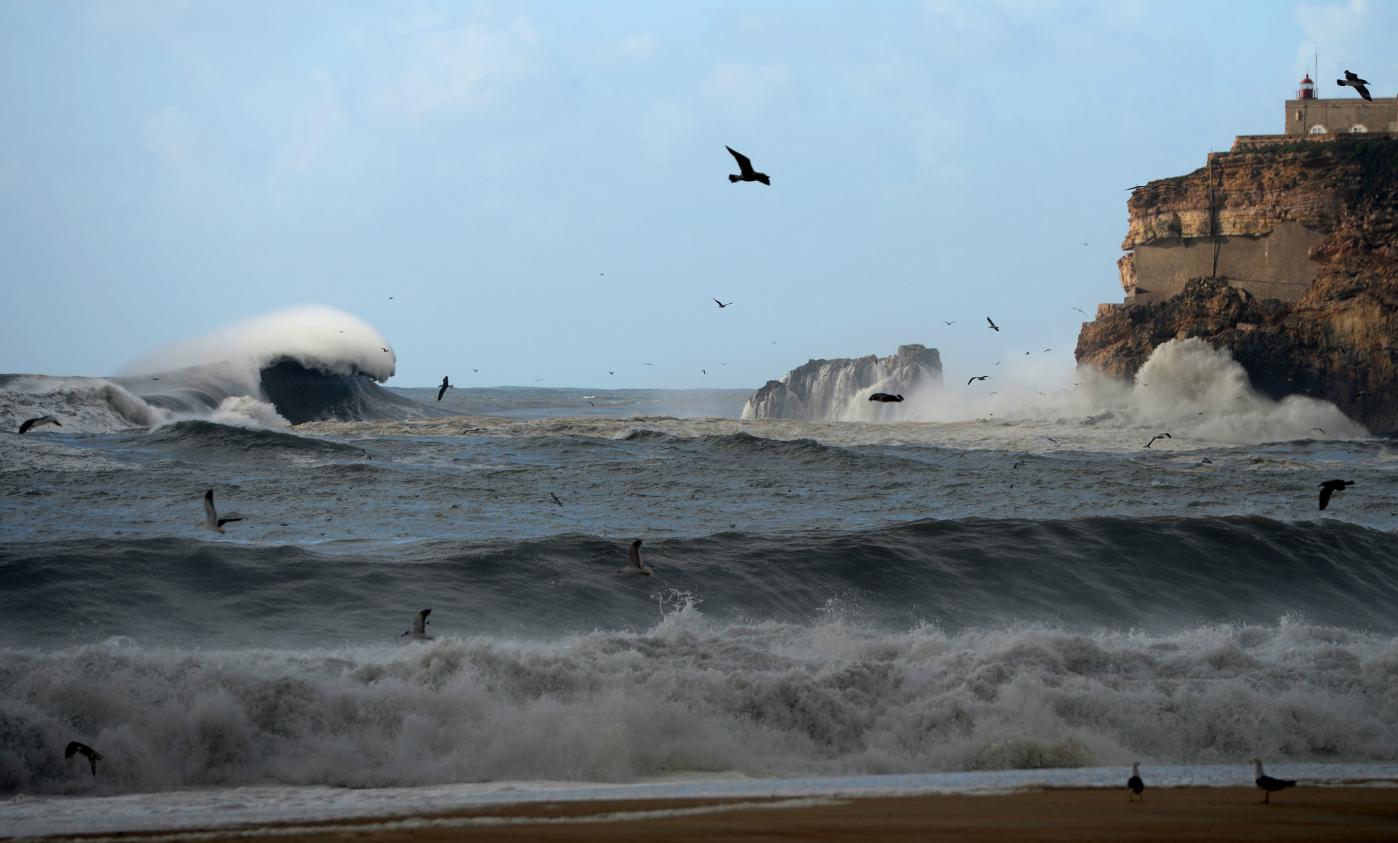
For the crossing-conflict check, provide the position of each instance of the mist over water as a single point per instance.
(992, 582)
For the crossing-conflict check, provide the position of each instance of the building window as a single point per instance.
(1358, 129)
(1318, 129)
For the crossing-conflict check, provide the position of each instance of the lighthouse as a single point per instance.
(1307, 89)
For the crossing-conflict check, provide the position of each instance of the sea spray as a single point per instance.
(694, 695)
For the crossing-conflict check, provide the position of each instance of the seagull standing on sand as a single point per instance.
(1158, 436)
(211, 519)
(1134, 784)
(419, 630)
(1353, 80)
(92, 755)
(1268, 784)
(636, 566)
(746, 172)
(443, 390)
(1330, 487)
(993, 326)
(38, 421)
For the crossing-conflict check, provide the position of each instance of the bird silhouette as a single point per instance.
(1268, 784)
(1158, 436)
(993, 326)
(1353, 80)
(555, 499)
(419, 629)
(721, 305)
(1134, 784)
(945, 322)
(977, 378)
(747, 173)
(1080, 310)
(443, 390)
(1330, 487)
(37, 422)
(76, 748)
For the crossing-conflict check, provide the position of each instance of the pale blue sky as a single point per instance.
(168, 167)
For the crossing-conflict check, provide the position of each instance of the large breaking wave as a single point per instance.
(297, 365)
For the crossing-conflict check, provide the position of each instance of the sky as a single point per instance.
(542, 186)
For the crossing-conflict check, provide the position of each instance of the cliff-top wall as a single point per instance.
(1308, 303)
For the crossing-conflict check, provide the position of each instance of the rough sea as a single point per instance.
(979, 593)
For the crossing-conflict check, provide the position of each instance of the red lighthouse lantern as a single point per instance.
(1307, 89)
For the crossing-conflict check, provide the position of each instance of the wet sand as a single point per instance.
(1200, 814)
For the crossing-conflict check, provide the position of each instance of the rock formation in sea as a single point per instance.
(1284, 253)
(839, 390)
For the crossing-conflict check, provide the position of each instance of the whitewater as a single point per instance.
(973, 592)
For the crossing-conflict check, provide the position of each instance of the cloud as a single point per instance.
(462, 67)
(747, 87)
(641, 45)
(313, 129)
(169, 137)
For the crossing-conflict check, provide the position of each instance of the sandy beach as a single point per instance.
(1204, 814)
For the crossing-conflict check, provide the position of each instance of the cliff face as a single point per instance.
(1336, 337)
(839, 389)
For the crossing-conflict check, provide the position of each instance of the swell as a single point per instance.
(209, 436)
(1156, 574)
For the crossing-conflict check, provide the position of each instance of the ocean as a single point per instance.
(981, 592)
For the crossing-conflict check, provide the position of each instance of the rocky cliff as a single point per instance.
(839, 390)
(1337, 337)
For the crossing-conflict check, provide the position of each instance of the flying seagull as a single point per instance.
(1268, 784)
(76, 748)
(1321, 429)
(443, 390)
(885, 398)
(37, 422)
(1158, 436)
(745, 165)
(211, 519)
(419, 630)
(555, 499)
(721, 305)
(945, 322)
(1134, 783)
(977, 378)
(1330, 487)
(993, 326)
(1080, 310)
(1353, 80)
(634, 554)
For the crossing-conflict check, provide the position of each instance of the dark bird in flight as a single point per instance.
(1330, 487)
(1080, 310)
(555, 499)
(76, 748)
(721, 305)
(385, 351)
(993, 326)
(39, 421)
(419, 630)
(1158, 436)
(977, 378)
(745, 165)
(945, 322)
(1206, 461)
(211, 519)
(1135, 187)
(885, 398)
(636, 566)
(1051, 439)
(1353, 80)
(443, 390)
(1321, 429)
(1134, 784)
(611, 371)
(1268, 784)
